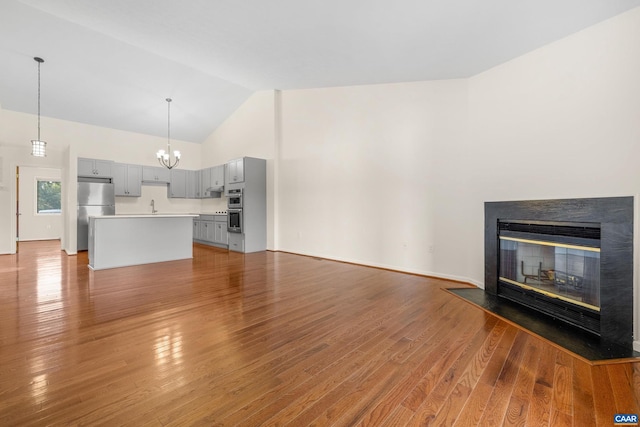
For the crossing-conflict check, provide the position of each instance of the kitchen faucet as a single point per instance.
(153, 206)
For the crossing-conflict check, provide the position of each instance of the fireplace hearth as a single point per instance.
(569, 260)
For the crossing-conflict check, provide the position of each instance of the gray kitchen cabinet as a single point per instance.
(178, 184)
(193, 185)
(205, 229)
(217, 177)
(254, 205)
(127, 180)
(211, 230)
(197, 229)
(205, 180)
(234, 171)
(95, 168)
(236, 242)
(156, 174)
(220, 228)
(212, 180)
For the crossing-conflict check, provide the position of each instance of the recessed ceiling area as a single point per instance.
(113, 63)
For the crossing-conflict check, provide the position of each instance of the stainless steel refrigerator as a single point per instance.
(94, 198)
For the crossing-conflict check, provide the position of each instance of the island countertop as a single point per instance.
(120, 216)
(125, 240)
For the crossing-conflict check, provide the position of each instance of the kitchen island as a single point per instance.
(124, 240)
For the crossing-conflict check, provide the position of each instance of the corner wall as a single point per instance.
(560, 122)
(368, 175)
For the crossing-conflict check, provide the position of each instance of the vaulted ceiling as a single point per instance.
(113, 63)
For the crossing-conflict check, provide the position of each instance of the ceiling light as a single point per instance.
(165, 157)
(38, 146)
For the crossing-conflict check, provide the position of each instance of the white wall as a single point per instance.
(34, 226)
(366, 174)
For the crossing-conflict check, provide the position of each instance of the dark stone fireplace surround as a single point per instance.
(615, 216)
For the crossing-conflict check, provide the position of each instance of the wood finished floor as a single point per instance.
(275, 339)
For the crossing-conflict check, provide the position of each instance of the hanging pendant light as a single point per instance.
(38, 146)
(164, 158)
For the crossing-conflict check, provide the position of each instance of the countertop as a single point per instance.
(133, 216)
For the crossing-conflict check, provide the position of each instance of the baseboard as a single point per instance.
(389, 267)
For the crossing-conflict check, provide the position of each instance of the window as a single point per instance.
(49, 199)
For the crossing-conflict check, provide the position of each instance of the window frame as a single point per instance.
(37, 195)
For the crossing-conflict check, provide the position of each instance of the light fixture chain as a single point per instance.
(38, 147)
(169, 124)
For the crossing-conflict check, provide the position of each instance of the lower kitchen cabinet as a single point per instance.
(211, 230)
(220, 234)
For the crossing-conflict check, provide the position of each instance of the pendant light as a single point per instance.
(164, 158)
(38, 146)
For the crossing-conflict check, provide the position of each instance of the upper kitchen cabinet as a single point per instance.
(156, 174)
(234, 171)
(95, 168)
(178, 184)
(193, 185)
(217, 178)
(205, 181)
(127, 180)
(212, 181)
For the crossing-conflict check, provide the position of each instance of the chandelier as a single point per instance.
(38, 146)
(164, 157)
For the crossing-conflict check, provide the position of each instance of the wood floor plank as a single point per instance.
(635, 381)
(518, 407)
(621, 378)
(562, 398)
(497, 405)
(415, 367)
(583, 397)
(540, 405)
(604, 403)
(475, 406)
(275, 339)
(449, 395)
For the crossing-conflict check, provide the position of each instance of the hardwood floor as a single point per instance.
(275, 339)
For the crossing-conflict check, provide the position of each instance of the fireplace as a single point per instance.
(570, 260)
(553, 267)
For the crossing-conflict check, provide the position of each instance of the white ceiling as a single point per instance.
(113, 63)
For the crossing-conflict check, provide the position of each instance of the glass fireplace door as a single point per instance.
(564, 271)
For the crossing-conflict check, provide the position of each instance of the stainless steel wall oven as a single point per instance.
(234, 200)
(234, 220)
